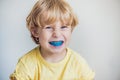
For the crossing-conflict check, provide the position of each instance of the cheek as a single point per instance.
(44, 37)
(67, 35)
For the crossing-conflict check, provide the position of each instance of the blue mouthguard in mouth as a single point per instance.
(56, 43)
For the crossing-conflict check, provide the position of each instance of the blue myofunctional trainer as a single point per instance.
(56, 43)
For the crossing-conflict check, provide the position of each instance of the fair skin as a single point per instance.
(53, 33)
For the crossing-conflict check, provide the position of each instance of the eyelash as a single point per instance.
(49, 27)
(64, 27)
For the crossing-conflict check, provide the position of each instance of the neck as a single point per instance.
(53, 57)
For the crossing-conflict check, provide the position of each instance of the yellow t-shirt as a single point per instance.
(33, 67)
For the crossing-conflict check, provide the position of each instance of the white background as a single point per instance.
(96, 38)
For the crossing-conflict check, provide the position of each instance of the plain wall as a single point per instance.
(96, 38)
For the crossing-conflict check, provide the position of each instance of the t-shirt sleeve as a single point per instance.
(87, 73)
(21, 72)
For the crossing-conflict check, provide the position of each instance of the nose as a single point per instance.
(56, 33)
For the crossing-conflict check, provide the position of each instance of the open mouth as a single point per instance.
(56, 43)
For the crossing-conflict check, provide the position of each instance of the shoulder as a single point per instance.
(81, 65)
(26, 66)
(76, 56)
(29, 59)
(31, 55)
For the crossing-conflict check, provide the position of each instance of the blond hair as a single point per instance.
(48, 11)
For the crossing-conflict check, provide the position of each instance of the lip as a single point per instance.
(56, 43)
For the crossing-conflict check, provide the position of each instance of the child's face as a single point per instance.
(54, 38)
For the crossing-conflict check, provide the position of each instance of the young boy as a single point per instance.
(51, 23)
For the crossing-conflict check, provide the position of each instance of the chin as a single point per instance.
(58, 50)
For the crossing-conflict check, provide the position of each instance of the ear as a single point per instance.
(34, 31)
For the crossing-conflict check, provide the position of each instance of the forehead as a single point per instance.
(53, 19)
(58, 23)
